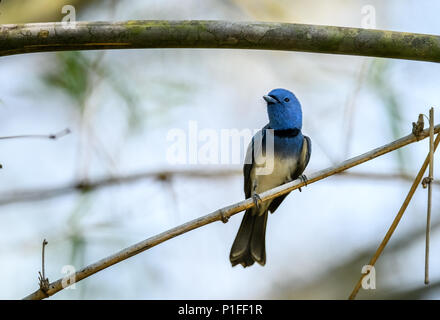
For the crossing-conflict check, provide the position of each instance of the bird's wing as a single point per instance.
(303, 160)
(304, 157)
(247, 179)
(255, 147)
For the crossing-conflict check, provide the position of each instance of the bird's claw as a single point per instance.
(304, 179)
(257, 200)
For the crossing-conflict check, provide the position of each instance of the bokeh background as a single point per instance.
(120, 106)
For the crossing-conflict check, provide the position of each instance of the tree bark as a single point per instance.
(45, 37)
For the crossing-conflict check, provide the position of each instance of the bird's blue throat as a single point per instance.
(285, 118)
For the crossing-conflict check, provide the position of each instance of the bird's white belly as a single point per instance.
(281, 173)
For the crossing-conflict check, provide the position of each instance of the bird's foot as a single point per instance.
(304, 179)
(257, 200)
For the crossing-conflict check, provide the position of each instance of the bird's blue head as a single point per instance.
(284, 110)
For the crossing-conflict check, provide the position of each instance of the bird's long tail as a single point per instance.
(250, 243)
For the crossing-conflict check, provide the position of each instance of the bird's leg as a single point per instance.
(255, 197)
(304, 179)
(257, 200)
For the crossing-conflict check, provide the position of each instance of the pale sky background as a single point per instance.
(311, 233)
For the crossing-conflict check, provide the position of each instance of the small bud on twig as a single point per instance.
(418, 127)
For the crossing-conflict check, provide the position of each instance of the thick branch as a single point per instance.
(226, 212)
(45, 37)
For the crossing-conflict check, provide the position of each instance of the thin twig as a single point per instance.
(225, 213)
(430, 179)
(43, 281)
(350, 106)
(376, 176)
(40, 136)
(396, 220)
(39, 194)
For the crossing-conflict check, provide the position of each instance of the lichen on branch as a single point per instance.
(56, 36)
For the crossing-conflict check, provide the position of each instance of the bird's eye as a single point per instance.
(287, 99)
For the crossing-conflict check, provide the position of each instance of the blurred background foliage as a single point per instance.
(121, 105)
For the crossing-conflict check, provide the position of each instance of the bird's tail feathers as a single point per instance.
(250, 243)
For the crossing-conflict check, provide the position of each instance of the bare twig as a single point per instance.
(396, 220)
(40, 136)
(224, 213)
(350, 106)
(375, 176)
(39, 194)
(43, 281)
(53, 36)
(430, 179)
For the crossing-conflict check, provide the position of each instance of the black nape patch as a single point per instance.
(285, 133)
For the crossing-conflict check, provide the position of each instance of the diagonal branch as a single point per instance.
(135, 34)
(224, 213)
(397, 219)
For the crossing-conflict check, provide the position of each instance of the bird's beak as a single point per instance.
(270, 100)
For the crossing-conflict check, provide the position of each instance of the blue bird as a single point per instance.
(290, 155)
